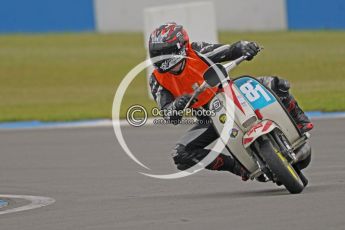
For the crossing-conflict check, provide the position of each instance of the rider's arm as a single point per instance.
(223, 52)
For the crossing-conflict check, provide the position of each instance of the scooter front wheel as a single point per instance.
(280, 167)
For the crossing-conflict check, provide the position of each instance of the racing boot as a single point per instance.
(185, 160)
(228, 163)
(302, 121)
(239, 170)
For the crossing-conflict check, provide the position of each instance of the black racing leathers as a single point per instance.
(192, 146)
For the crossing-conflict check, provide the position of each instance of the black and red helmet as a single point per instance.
(168, 39)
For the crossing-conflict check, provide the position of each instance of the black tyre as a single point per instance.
(281, 168)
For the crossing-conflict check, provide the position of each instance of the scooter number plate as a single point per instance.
(255, 93)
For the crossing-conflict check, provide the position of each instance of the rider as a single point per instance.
(171, 86)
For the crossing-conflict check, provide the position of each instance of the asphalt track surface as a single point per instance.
(97, 186)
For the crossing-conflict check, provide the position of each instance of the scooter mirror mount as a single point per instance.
(215, 75)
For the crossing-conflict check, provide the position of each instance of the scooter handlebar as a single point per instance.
(228, 67)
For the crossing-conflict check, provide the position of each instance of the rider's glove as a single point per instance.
(250, 49)
(181, 102)
(178, 105)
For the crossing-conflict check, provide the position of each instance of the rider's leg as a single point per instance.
(281, 88)
(190, 150)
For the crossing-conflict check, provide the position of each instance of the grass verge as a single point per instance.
(74, 76)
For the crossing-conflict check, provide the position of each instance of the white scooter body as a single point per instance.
(256, 112)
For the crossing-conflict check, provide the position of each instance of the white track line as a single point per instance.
(3, 204)
(35, 202)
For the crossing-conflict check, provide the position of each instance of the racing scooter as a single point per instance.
(255, 127)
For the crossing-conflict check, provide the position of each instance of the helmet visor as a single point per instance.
(168, 62)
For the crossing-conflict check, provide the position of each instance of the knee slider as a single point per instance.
(179, 154)
(267, 81)
(185, 159)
